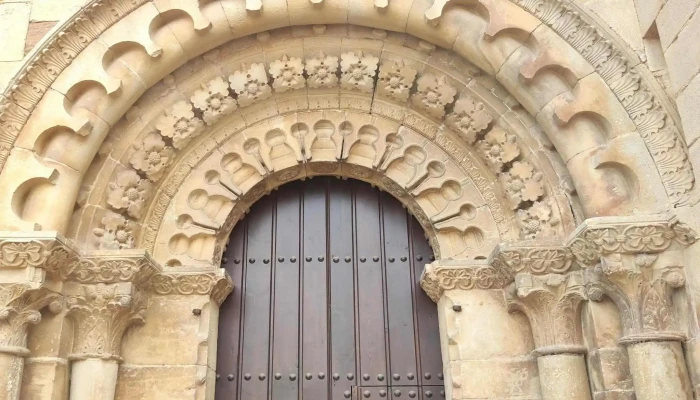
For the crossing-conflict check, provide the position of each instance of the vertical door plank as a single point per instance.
(314, 302)
(285, 343)
(370, 296)
(342, 283)
(428, 333)
(402, 344)
(256, 328)
(230, 319)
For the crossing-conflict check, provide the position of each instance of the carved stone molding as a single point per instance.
(642, 293)
(216, 284)
(597, 237)
(535, 257)
(553, 304)
(135, 266)
(101, 314)
(440, 276)
(46, 250)
(20, 306)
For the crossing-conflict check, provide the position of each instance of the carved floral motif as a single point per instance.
(498, 148)
(216, 284)
(605, 236)
(115, 233)
(250, 84)
(535, 259)
(357, 71)
(287, 73)
(129, 192)
(537, 221)
(468, 119)
(180, 124)
(214, 100)
(322, 71)
(152, 156)
(522, 184)
(436, 279)
(434, 93)
(396, 80)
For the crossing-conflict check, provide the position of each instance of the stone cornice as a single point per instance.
(216, 284)
(597, 237)
(458, 275)
(535, 257)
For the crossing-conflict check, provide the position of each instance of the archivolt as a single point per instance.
(595, 111)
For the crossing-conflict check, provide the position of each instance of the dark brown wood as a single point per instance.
(327, 303)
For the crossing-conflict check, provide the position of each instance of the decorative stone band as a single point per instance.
(114, 266)
(539, 257)
(553, 304)
(22, 252)
(450, 275)
(20, 305)
(215, 283)
(597, 237)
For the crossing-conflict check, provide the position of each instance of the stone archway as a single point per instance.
(155, 125)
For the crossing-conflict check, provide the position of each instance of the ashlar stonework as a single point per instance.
(545, 164)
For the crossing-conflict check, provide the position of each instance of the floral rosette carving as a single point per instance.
(287, 73)
(433, 95)
(498, 148)
(250, 84)
(322, 71)
(152, 156)
(396, 80)
(129, 192)
(357, 71)
(214, 101)
(468, 118)
(522, 184)
(437, 279)
(180, 124)
(115, 233)
(537, 221)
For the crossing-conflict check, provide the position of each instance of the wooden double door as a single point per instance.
(327, 302)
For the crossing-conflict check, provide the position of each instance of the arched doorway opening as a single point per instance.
(327, 302)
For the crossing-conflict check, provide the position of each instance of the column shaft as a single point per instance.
(563, 377)
(659, 371)
(11, 368)
(93, 379)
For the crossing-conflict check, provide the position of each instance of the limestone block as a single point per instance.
(52, 10)
(45, 379)
(609, 371)
(14, 23)
(244, 22)
(392, 18)
(444, 33)
(197, 28)
(655, 362)
(309, 12)
(176, 382)
(687, 101)
(683, 55)
(172, 334)
(620, 15)
(494, 379)
(672, 18)
(568, 378)
(8, 69)
(647, 11)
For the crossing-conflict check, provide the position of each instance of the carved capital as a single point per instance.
(642, 292)
(101, 314)
(598, 237)
(216, 284)
(20, 305)
(21, 254)
(552, 303)
(535, 258)
(441, 276)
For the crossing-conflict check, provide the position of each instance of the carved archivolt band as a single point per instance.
(598, 74)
